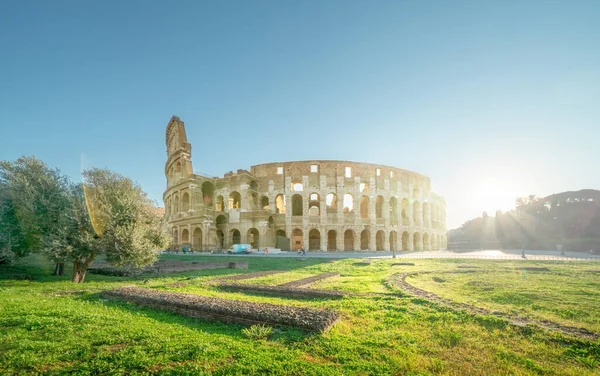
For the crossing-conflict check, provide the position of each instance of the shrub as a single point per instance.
(258, 332)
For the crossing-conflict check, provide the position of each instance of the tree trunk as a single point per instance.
(79, 270)
(59, 268)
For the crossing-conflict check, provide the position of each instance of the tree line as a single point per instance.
(108, 214)
(571, 219)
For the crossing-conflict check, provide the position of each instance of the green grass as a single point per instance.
(50, 326)
(568, 293)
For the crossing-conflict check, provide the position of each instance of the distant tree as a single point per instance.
(109, 215)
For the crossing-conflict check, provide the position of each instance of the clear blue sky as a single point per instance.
(491, 99)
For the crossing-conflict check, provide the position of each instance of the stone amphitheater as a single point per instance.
(316, 205)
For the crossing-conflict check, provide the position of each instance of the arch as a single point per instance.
(185, 236)
(297, 186)
(185, 202)
(349, 240)
(314, 204)
(221, 220)
(271, 222)
(331, 240)
(221, 238)
(393, 240)
(426, 242)
(175, 204)
(254, 186)
(235, 200)
(281, 233)
(331, 202)
(348, 203)
(405, 217)
(417, 242)
(236, 237)
(379, 240)
(253, 238)
(175, 241)
(405, 241)
(297, 239)
(314, 240)
(220, 204)
(197, 239)
(280, 204)
(416, 214)
(416, 192)
(364, 240)
(393, 210)
(296, 205)
(178, 174)
(264, 203)
(208, 191)
(379, 207)
(364, 207)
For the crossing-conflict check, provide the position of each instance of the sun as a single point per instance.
(491, 196)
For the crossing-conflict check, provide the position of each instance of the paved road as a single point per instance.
(484, 254)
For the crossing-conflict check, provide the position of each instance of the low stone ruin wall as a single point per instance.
(225, 310)
(166, 267)
(239, 277)
(293, 292)
(309, 280)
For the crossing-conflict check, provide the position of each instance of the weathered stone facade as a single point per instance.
(319, 205)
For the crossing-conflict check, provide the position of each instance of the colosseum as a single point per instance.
(317, 205)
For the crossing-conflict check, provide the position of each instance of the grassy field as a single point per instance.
(50, 326)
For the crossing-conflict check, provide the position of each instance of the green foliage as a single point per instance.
(258, 332)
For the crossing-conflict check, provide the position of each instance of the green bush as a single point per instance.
(258, 332)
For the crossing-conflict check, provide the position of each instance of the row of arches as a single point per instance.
(351, 241)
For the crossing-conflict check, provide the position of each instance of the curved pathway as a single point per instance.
(399, 280)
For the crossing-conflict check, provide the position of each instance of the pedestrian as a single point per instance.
(523, 253)
(266, 251)
(303, 252)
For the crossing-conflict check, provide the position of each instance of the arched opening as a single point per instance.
(175, 204)
(363, 187)
(280, 204)
(296, 205)
(425, 214)
(221, 220)
(220, 204)
(314, 204)
(405, 240)
(416, 213)
(379, 207)
(236, 237)
(197, 239)
(175, 241)
(221, 238)
(281, 233)
(364, 240)
(297, 186)
(253, 238)
(185, 236)
(379, 240)
(349, 240)
(178, 174)
(426, 242)
(271, 221)
(393, 210)
(405, 217)
(314, 240)
(235, 201)
(297, 239)
(331, 240)
(417, 242)
(364, 207)
(348, 203)
(254, 186)
(416, 193)
(208, 191)
(281, 240)
(393, 240)
(331, 203)
(185, 202)
(264, 203)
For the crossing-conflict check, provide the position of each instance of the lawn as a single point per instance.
(50, 326)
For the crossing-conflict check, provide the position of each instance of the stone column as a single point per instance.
(339, 239)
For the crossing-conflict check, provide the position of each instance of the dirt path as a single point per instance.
(399, 280)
